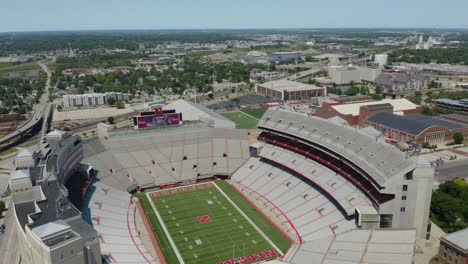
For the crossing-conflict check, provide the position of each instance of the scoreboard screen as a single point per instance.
(156, 120)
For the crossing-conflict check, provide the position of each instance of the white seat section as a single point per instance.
(113, 216)
(297, 203)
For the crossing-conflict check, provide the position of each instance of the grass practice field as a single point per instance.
(210, 223)
(246, 119)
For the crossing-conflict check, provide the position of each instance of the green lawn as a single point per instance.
(7, 68)
(256, 112)
(206, 227)
(242, 120)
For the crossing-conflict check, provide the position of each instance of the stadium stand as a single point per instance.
(353, 171)
(359, 246)
(112, 215)
(298, 204)
(160, 158)
(339, 166)
(379, 160)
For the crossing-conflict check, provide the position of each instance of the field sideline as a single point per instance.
(207, 223)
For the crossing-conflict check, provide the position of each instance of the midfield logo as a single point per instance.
(204, 219)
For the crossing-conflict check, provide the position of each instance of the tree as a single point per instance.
(210, 96)
(120, 104)
(2, 207)
(110, 120)
(427, 111)
(111, 101)
(458, 138)
(378, 89)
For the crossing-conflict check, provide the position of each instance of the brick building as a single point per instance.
(415, 128)
(453, 248)
(356, 113)
(288, 90)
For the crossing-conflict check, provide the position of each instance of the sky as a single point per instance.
(49, 15)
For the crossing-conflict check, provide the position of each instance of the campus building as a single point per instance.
(92, 99)
(416, 128)
(403, 81)
(456, 105)
(288, 90)
(344, 74)
(357, 113)
(454, 248)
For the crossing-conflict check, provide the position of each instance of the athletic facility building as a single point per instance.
(288, 90)
(310, 191)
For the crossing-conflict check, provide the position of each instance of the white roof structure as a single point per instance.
(459, 239)
(381, 161)
(19, 174)
(51, 228)
(353, 109)
(360, 246)
(25, 153)
(196, 112)
(338, 120)
(290, 86)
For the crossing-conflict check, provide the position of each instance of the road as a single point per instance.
(39, 110)
(452, 169)
(8, 241)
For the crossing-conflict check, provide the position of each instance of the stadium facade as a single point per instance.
(50, 227)
(320, 182)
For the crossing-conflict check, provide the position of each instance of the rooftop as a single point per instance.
(461, 102)
(459, 239)
(353, 109)
(281, 85)
(412, 124)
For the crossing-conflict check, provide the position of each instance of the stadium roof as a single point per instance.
(380, 160)
(458, 239)
(289, 86)
(411, 124)
(353, 109)
(194, 111)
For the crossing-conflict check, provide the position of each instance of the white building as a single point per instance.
(92, 99)
(344, 74)
(369, 73)
(381, 59)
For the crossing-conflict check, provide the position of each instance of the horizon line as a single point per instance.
(227, 29)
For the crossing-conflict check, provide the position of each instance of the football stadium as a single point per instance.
(308, 191)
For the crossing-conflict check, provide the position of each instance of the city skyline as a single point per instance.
(53, 15)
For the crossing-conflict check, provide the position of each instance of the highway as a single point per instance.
(38, 113)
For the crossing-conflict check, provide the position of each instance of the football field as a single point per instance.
(203, 225)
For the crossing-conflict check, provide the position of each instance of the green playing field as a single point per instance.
(202, 224)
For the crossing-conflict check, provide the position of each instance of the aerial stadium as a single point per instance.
(308, 191)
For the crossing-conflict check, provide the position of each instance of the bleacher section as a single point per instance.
(112, 216)
(350, 174)
(160, 158)
(300, 206)
(327, 181)
(382, 161)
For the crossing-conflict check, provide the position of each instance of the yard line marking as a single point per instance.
(176, 251)
(249, 220)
